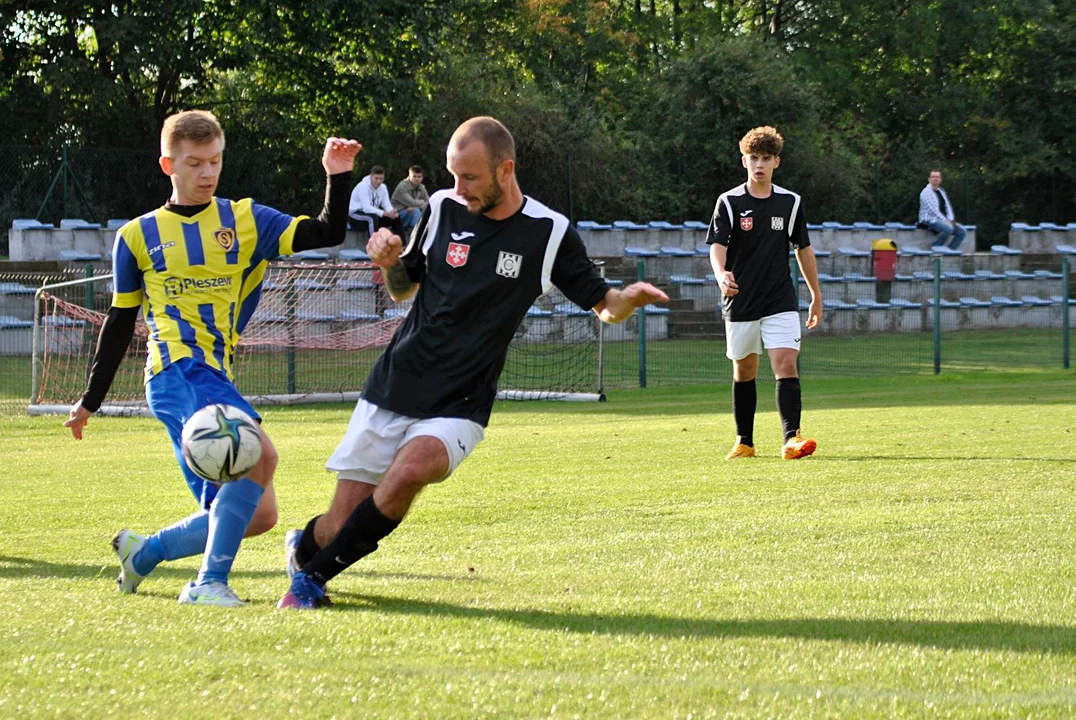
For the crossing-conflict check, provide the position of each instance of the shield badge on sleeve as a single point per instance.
(746, 223)
(457, 254)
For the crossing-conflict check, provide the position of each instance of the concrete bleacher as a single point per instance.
(30, 240)
(1042, 238)
(606, 240)
(80, 241)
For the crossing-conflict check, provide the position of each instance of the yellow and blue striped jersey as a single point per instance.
(197, 279)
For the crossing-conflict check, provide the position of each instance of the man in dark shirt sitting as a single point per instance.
(936, 213)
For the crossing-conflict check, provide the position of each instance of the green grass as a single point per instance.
(668, 362)
(592, 560)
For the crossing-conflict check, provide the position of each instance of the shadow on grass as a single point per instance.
(21, 567)
(984, 635)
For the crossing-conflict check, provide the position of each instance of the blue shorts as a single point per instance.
(182, 389)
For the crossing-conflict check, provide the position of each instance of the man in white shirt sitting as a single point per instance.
(370, 208)
(936, 213)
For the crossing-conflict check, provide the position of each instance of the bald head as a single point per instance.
(491, 133)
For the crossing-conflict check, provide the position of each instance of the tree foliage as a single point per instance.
(621, 108)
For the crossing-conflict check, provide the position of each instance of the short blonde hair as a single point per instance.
(198, 126)
(763, 140)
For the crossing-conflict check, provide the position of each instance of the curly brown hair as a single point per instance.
(763, 140)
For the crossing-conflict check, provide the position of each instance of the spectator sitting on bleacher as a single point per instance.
(936, 213)
(370, 208)
(410, 198)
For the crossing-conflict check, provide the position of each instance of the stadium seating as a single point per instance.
(78, 224)
(79, 256)
(29, 224)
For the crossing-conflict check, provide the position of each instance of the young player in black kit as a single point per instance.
(481, 255)
(754, 225)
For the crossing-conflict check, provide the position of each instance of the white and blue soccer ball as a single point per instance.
(221, 443)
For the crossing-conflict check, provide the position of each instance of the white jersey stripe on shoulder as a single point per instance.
(724, 198)
(435, 217)
(795, 206)
(535, 209)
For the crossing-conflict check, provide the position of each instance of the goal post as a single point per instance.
(314, 337)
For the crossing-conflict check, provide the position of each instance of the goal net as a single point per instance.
(314, 337)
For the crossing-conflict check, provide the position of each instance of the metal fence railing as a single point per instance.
(968, 313)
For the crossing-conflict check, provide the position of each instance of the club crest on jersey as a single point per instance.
(457, 254)
(508, 264)
(746, 223)
(225, 237)
(777, 223)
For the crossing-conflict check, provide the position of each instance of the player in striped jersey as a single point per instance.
(194, 267)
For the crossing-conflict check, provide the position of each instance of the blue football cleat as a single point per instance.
(304, 594)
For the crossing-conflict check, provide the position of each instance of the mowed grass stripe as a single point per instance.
(595, 560)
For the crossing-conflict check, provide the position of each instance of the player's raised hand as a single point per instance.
(339, 155)
(384, 248)
(77, 419)
(641, 293)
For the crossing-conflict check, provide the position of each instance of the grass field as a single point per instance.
(592, 560)
(668, 362)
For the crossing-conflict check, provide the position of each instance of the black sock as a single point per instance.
(744, 400)
(356, 539)
(308, 544)
(789, 406)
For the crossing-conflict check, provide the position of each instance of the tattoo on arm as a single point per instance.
(396, 280)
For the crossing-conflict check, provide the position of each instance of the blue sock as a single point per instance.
(229, 516)
(183, 539)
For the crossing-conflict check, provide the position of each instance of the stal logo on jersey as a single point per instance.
(508, 264)
(457, 254)
(777, 223)
(746, 223)
(225, 237)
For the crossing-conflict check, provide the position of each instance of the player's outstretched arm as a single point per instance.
(809, 269)
(618, 305)
(384, 250)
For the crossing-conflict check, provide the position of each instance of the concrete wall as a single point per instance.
(1042, 240)
(609, 243)
(34, 244)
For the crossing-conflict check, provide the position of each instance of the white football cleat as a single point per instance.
(126, 545)
(216, 593)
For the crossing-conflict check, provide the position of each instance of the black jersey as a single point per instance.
(477, 278)
(758, 234)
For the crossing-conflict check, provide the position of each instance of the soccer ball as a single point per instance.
(221, 443)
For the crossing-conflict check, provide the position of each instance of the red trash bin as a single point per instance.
(884, 267)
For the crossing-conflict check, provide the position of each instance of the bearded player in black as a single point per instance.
(753, 227)
(481, 255)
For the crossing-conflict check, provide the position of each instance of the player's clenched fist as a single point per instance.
(384, 248)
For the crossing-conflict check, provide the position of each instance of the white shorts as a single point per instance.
(773, 331)
(374, 435)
